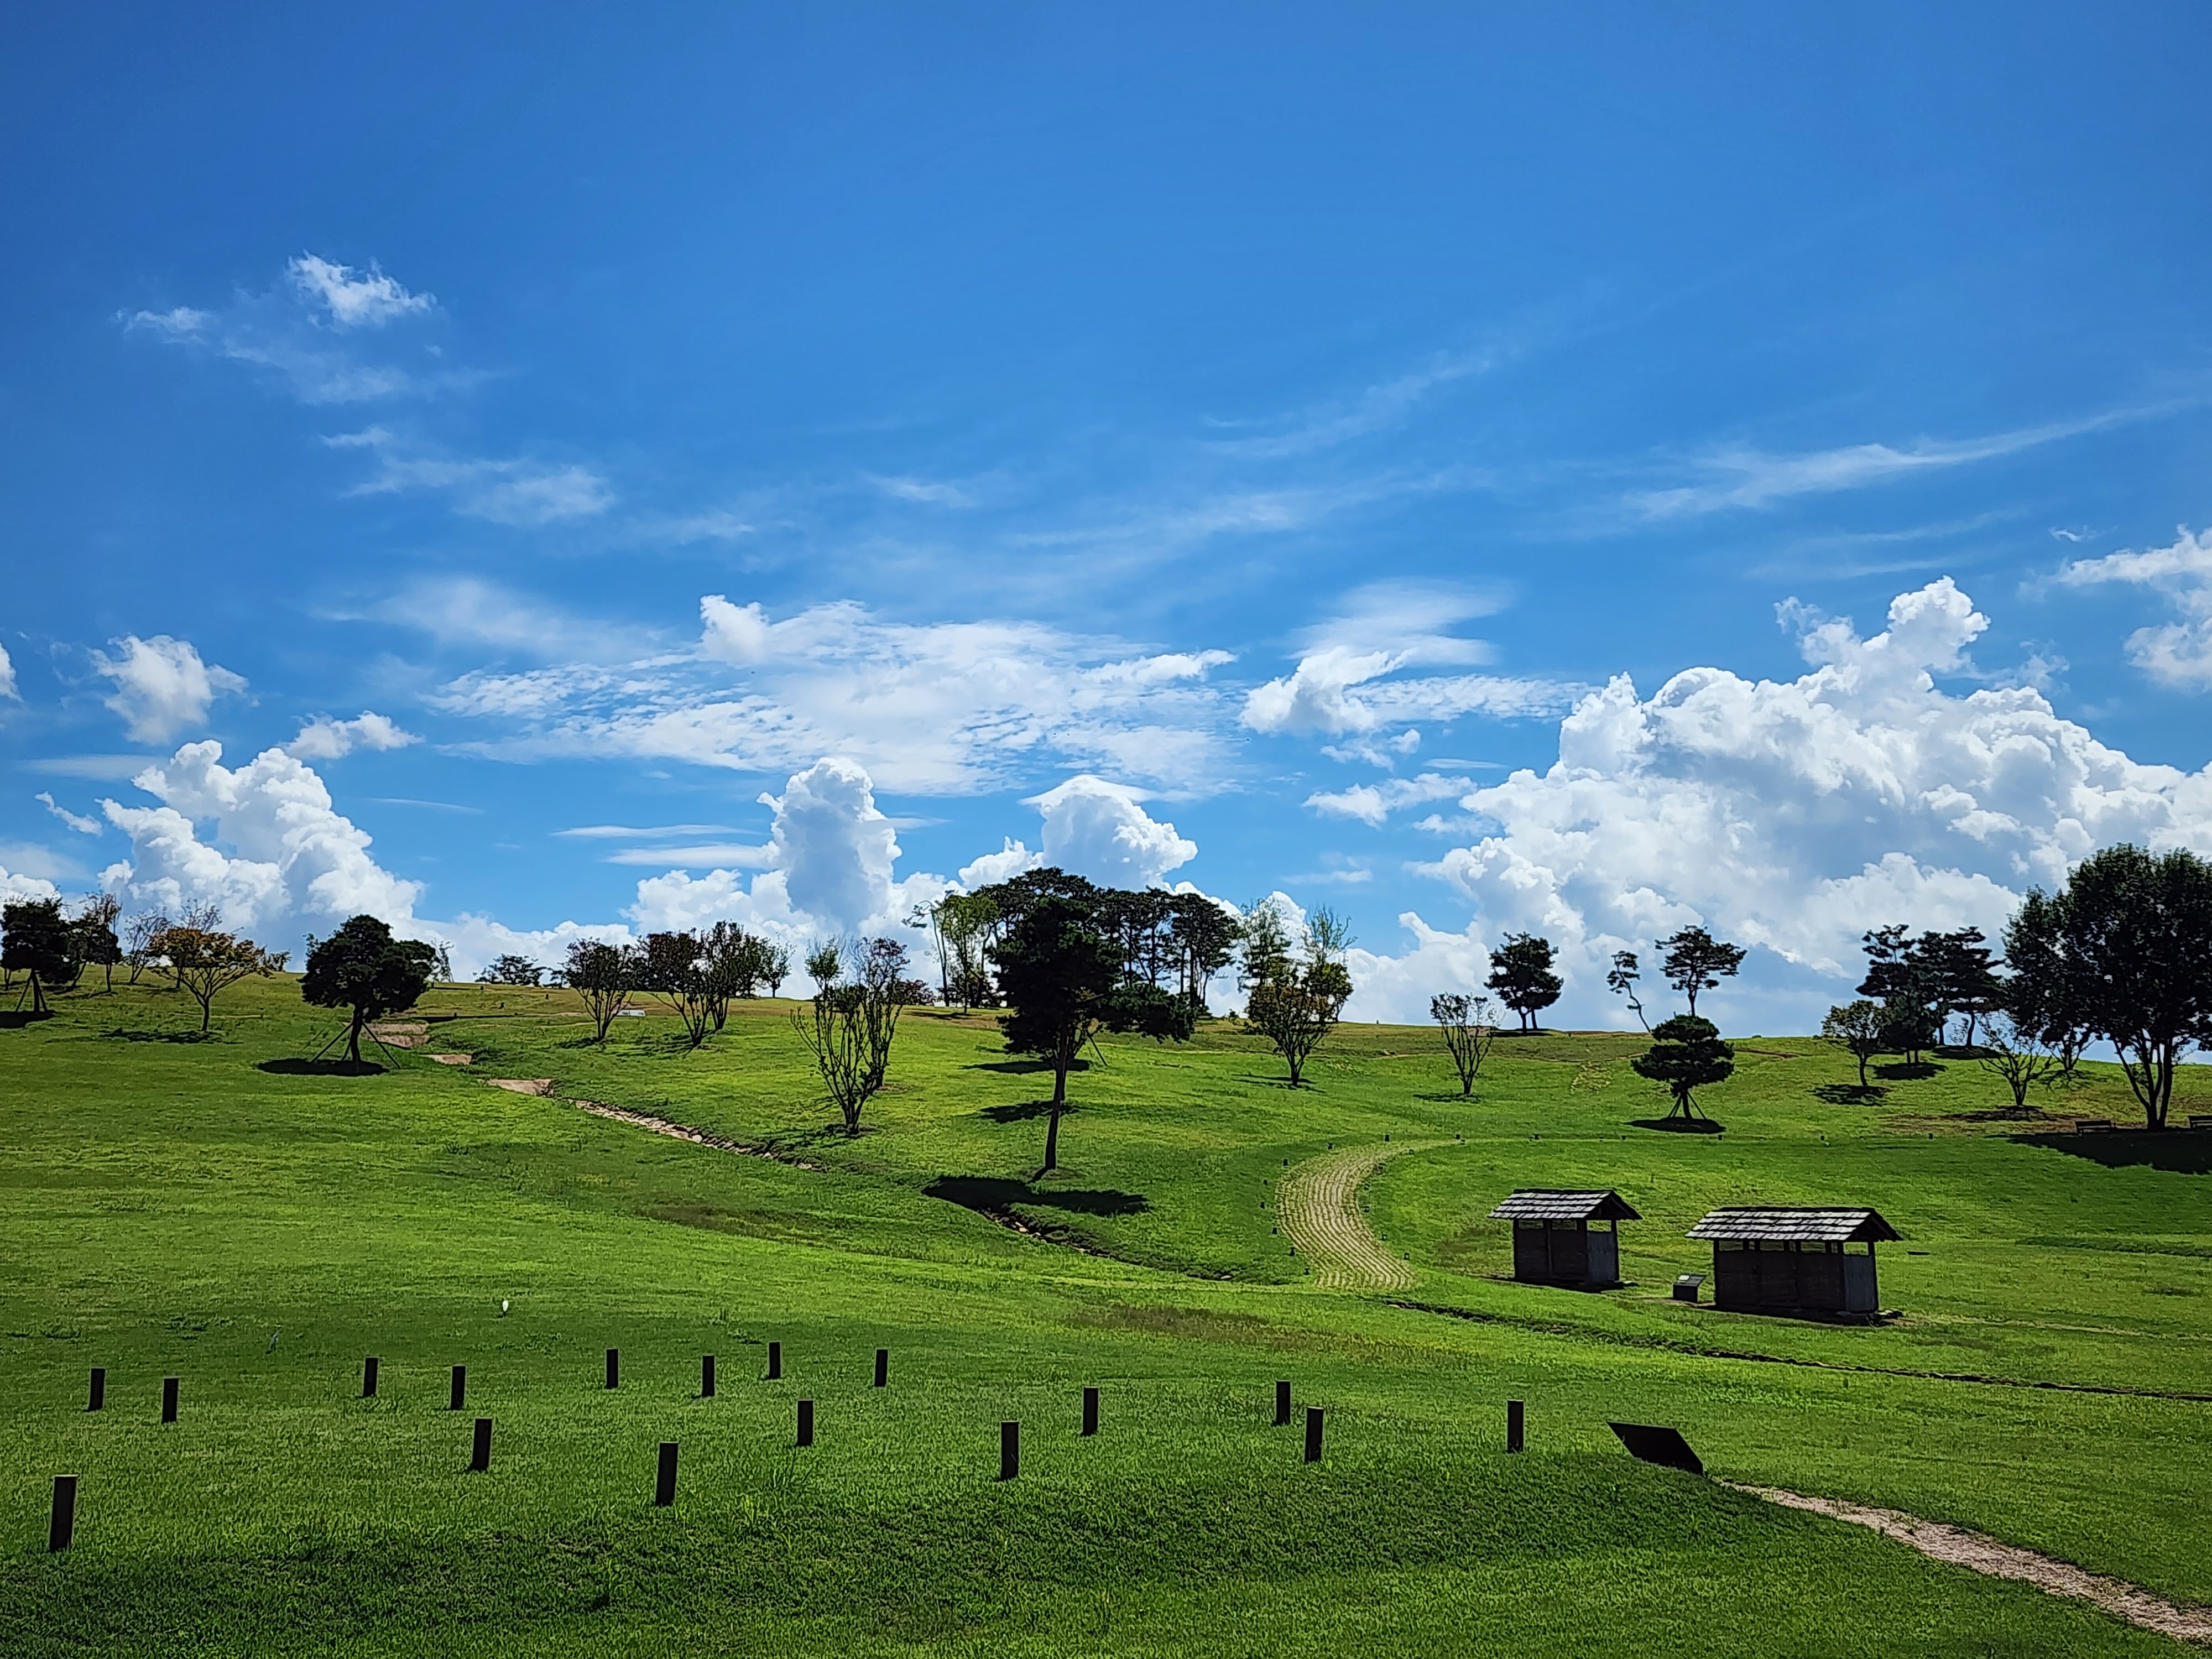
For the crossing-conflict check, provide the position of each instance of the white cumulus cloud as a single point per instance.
(327, 739)
(354, 299)
(2178, 653)
(14, 885)
(1791, 815)
(1100, 829)
(277, 855)
(161, 685)
(8, 676)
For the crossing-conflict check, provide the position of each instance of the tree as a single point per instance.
(1204, 932)
(2135, 930)
(1295, 1000)
(1695, 961)
(40, 940)
(511, 969)
(603, 975)
(2044, 994)
(674, 967)
(1686, 1053)
(94, 927)
(139, 933)
(1858, 1026)
(1062, 978)
(204, 963)
(2018, 1055)
(1910, 1027)
(1960, 977)
(1521, 973)
(858, 996)
(963, 927)
(1468, 1033)
(774, 966)
(441, 962)
(362, 968)
(1620, 980)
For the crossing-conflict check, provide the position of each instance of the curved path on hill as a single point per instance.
(1984, 1554)
(1318, 1209)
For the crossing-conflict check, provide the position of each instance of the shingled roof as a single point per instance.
(1794, 1226)
(1565, 1206)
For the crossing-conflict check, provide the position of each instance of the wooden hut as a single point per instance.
(1794, 1261)
(1553, 1242)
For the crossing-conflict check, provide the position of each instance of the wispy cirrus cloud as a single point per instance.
(307, 332)
(1376, 408)
(511, 491)
(1741, 477)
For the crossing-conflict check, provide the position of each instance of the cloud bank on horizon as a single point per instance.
(1787, 814)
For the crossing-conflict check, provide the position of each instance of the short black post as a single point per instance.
(480, 1454)
(98, 1399)
(806, 1422)
(62, 1532)
(460, 1387)
(169, 1399)
(1313, 1434)
(706, 1376)
(664, 1488)
(1090, 1411)
(883, 1367)
(368, 1377)
(1514, 1426)
(774, 1361)
(1282, 1402)
(614, 1368)
(1010, 1450)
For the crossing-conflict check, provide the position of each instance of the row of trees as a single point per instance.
(697, 975)
(52, 946)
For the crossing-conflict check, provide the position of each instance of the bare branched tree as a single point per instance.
(861, 991)
(604, 976)
(2018, 1055)
(1468, 1032)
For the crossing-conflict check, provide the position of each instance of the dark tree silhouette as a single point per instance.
(1521, 973)
(1686, 1053)
(1692, 960)
(604, 976)
(37, 938)
(363, 969)
(1858, 1026)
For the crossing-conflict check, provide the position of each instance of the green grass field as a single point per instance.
(220, 1212)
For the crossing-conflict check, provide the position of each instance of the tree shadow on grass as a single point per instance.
(11, 1020)
(1679, 1125)
(994, 1195)
(320, 1068)
(1022, 1067)
(124, 1034)
(1022, 1111)
(1908, 1071)
(1850, 1094)
(2178, 1152)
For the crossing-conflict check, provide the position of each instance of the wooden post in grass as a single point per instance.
(1514, 1426)
(480, 1454)
(614, 1368)
(1282, 1402)
(883, 1368)
(62, 1531)
(460, 1387)
(1313, 1434)
(774, 1361)
(706, 1376)
(368, 1377)
(806, 1422)
(664, 1486)
(1090, 1411)
(169, 1399)
(97, 1400)
(1010, 1450)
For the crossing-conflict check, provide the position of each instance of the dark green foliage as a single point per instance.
(604, 976)
(1065, 981)
(1692, 960)
(362, 968)
(1686, 1053)
(511, 969)
(1521, 973)
(1860, 1027)
(1294, 1000)
(2128, 949)
(36, 939)
(859, 992)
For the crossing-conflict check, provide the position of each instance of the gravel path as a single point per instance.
(1318, 1208)
(2000, 1560)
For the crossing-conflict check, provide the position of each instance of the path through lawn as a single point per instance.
(1318, 1203)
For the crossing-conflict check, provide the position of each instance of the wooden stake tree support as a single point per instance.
(1090, 1411)
(61, 1530)
(663, 1485)
(169, 1399)
(1313, 1434)
(480, 1453)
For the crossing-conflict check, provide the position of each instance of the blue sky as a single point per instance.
(1065, 423)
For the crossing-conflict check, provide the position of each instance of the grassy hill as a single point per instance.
(225, 1211)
